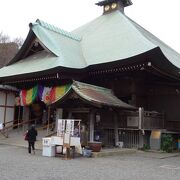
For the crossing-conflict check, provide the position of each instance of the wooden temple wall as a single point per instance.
(7, 107)
(130, 138)
(156, 97)
(169, 106)
(150, 120)
(105, 126)
(129, 129)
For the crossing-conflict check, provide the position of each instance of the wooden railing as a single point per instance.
(49, 128)
(8, 122)
(153, 120)
(5, 131)
(148, 120)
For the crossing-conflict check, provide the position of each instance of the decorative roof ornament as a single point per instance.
(105, 2)
(111, 5)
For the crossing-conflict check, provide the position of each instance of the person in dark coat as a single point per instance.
(31, 137)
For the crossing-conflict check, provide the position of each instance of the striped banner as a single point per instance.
(58, 92)
(44, 94)
(28, 96)
(48, 95)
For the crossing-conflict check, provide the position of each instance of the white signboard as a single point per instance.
(61, 127)
(66, 129)
(70, 127)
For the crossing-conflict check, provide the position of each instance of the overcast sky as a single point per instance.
(160, 17)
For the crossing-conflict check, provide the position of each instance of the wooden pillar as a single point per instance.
(19, 112)
(116, 134)
(25, 117)
(91, 125)
(133, 99)
(59, 115)
(141, 126)
(49, 110)
(25, 113)
(141, 117)
(141, 139)
(69, 115)
(5, 106)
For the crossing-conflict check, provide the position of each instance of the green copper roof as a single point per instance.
(171, 54)
(108, 38)
(57, 30)
(97, 95)
(38, 62)
(59, 42)
(35, 63)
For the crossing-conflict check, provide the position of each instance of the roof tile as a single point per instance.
(58, 30)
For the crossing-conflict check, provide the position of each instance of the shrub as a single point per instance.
(167, 143)
(146, 147)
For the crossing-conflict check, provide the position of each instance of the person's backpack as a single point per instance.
(26, 136)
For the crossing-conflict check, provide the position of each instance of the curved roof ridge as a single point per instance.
(82, 84)
(99, 95)
(171, 54)
(138, 27)
(58, 30)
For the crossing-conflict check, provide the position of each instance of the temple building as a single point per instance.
(114, 75)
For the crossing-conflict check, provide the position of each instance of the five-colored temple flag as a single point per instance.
(58, 92)
(28, 96)
(46, 94)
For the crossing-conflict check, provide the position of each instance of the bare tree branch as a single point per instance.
(8, 48)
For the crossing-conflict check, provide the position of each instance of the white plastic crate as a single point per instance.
(48, 151)
(46, 142)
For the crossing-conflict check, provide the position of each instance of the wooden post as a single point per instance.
(25, 116)
(59, 113)
(141, 116)
(69, 115)
(49, 110)
(141, 139)
(116, 134)
(19, 115)
(5, 105)
(141, 126)
(68, 155)
(91, 128)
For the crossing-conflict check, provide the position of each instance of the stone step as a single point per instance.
(113, 152)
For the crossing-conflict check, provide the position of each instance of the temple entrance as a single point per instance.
(84, 117)
(42, 115)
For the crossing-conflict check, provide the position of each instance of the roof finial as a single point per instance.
(111, 5)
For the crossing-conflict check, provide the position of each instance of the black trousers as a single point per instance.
(30, 144)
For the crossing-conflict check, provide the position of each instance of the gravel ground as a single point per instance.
(17, 164)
